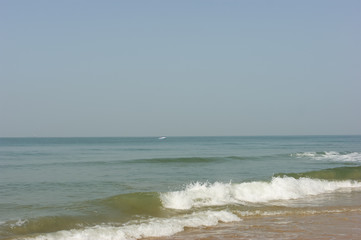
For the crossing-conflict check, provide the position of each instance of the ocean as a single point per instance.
(260, 187)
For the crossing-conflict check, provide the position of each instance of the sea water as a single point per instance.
(134, 188)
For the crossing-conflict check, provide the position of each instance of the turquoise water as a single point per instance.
(115, 185)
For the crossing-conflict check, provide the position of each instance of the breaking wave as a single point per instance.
(198, 195)
(332, 155)
(164, 214)
(151, 228)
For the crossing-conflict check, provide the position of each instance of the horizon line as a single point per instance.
(179, 136)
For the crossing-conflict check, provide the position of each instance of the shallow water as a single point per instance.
(132, 188)
(313, 224)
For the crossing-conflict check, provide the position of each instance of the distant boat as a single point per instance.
(161, 138)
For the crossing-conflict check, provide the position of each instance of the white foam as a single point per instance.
(19, 223)
(294, 212)
(152, 228)
(280, 188)
(333, 156)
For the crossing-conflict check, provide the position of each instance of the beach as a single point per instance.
(291, 187)
(328, 225)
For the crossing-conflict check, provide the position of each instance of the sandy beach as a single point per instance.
(334, 225)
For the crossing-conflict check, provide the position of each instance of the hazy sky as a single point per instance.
(175, 68)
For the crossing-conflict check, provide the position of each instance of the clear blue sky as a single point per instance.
(176, 68)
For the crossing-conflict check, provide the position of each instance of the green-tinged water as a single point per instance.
(341, 173)
(130, 188)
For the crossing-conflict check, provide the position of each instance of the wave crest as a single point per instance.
(332, 155)
(280, 188)
(153, 228)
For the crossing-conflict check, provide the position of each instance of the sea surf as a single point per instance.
(181, 187)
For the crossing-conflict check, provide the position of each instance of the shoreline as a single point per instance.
(344, 225)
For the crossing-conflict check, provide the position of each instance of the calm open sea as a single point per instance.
(180, 187)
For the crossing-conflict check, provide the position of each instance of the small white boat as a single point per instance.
(161, 138)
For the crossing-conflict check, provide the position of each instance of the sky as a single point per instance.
(76, 68)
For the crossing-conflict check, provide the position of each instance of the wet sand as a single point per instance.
(345, 225)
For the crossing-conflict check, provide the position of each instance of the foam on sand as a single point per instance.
(155, 227)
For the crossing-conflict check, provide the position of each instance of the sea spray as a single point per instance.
(279, 188)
